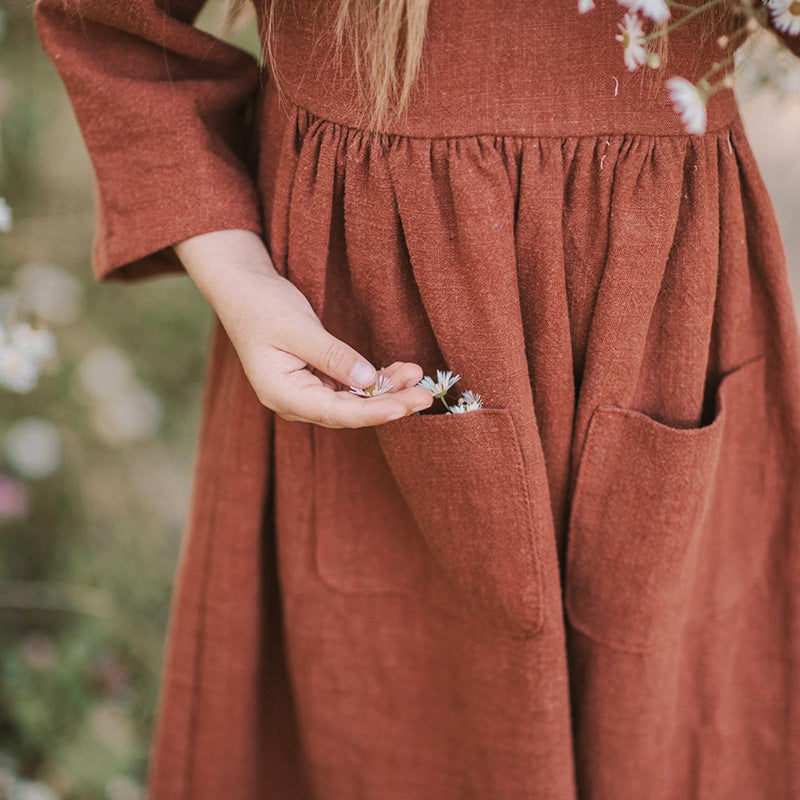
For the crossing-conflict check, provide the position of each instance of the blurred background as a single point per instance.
(97, 441)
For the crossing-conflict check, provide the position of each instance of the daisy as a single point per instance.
(38, 343)
(690, 102)
(468, 396)
(656, 10)
(469, 401)
(786, 15)
(18, 371)
(585, 5)
(444, 381)
(381, 385)
(631, 37)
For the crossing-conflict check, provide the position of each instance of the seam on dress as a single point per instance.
(317, 117)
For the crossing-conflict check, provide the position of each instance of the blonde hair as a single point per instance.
(386, 34)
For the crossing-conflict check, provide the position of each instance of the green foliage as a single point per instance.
(87, 558)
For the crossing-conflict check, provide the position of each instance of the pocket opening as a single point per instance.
(641, 500)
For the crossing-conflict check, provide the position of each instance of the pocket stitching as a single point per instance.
(538, 624)
(575, 618)
(529, 630)
(526, 631)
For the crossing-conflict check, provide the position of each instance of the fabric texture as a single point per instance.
(586, 590)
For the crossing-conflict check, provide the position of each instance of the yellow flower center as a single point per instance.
(626, 37)
(794, 8)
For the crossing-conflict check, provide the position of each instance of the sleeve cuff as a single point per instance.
(129, 246)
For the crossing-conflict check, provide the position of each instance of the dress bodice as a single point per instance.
(514, 67)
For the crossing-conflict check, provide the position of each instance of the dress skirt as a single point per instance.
(589, 588)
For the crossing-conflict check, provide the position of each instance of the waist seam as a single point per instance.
(315, 117)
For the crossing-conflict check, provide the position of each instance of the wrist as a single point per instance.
(217, 259)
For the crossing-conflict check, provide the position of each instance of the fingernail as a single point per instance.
(363, 373)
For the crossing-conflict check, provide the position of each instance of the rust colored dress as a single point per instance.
(590, 588)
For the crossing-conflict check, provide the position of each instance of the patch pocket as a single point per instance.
(642, 494)
(449, 520)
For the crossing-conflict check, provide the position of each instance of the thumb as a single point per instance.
(337, 359)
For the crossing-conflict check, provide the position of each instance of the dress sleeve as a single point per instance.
(165, 111)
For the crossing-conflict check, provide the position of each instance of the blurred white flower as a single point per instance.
(440, 387)
(132, 415)
(104, 372)
(19, 372)
(49, 292)
(785, 15)
(381, 385)
(120, 408)
(657, 10)
(33, 447)
(121, 787)
(585, 5)
(38, 343)
(631, 37)
(5, 216)
(689, 102)
(34, 790)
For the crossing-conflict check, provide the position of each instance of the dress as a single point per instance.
(586, 590)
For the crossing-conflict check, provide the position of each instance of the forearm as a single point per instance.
(217, 259)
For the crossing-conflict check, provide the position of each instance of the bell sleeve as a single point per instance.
(165, 111)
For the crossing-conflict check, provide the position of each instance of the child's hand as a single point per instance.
(277, 335)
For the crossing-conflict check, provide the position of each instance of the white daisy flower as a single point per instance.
(5, 216)
(444, 381)
(469, 401)
(38, 343)
(19, 372)
(381, 385)
(585, 5)
(460, 408)
(689, 102)
(657, 10)
(468, 396)
(631, 37)
(785, 15)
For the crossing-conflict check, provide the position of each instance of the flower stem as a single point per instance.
(717, 67)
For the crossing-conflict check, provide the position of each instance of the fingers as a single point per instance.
(305, 398)
(333, 357)
(403, 374)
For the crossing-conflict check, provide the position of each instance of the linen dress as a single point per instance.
(590, 587)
